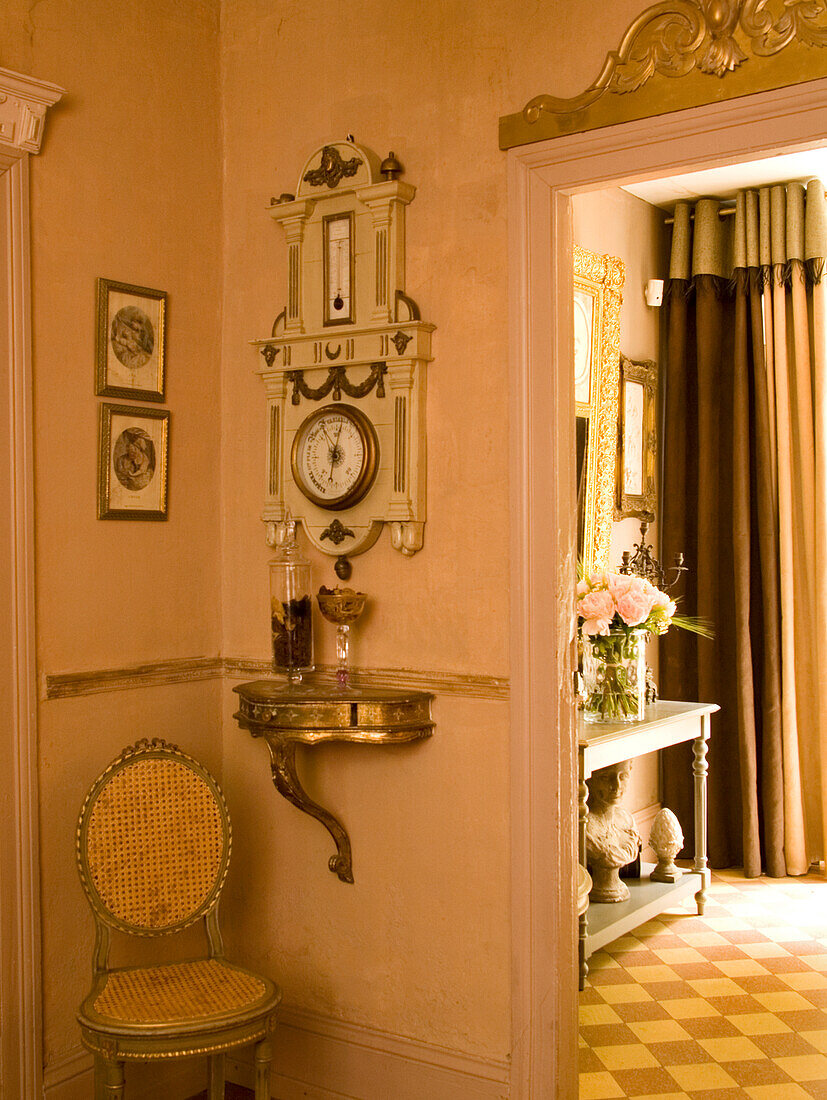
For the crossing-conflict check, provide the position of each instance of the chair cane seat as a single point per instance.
(200, 992)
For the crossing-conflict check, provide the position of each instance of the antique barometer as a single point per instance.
(344, 365)
(333, 459)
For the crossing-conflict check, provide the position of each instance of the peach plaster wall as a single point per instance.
(420, 946)
(127, 186)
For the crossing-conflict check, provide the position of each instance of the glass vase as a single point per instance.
(290, 608)
(614, 676)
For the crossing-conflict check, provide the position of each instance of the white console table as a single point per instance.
(601, 744)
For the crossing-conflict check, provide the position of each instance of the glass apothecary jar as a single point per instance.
(291, 620)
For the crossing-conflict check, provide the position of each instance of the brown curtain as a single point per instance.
(745, 499)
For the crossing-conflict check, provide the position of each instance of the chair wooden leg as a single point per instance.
(264, 1055)
(113, 1081)
(216, 1089)
(98, 1078)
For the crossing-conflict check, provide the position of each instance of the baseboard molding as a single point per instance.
(71, 1077)
(319, 1058)
(65, 685)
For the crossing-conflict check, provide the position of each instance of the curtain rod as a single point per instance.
(724, 212)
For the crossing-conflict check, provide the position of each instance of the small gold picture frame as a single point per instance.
(130, 341)
(637, 440)
(132, 462)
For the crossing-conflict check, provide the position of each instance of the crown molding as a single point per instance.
(23, 105)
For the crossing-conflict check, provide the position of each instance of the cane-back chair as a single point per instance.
(153, 847)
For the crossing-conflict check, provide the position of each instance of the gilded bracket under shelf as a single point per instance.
(312, 713)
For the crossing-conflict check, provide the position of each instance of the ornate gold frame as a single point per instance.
(155, 509)
(154, 303)
(602, 278)
(644, 504)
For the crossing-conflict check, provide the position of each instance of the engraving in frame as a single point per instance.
(339, 246)
(133, 460)
(598, 283)
(637, 442)
(130, 341)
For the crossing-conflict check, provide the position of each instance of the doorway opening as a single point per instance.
(542, 180)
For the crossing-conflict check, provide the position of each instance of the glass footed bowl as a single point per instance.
(342, 606)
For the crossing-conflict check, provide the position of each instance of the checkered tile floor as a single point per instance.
(731, 1004)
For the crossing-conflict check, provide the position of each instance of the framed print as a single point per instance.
(132, 463)
(129, 347)
(637, 440)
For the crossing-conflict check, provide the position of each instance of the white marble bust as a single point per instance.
(612, 840)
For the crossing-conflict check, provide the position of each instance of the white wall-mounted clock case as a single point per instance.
(348, 337)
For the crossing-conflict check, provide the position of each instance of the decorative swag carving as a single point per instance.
(676, 38)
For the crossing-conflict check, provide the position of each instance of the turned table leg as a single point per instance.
(700, 768)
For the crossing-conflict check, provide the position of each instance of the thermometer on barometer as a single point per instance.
(338, 268)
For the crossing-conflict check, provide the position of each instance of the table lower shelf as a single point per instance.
(607, 921)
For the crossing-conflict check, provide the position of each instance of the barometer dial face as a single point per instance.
(338, 269)
(335, 456)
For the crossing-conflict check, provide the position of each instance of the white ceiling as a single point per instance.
(725, 182)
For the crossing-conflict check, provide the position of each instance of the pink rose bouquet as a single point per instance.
(607, 602)
(616, 612)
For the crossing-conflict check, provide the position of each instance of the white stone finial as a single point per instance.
(666, 840)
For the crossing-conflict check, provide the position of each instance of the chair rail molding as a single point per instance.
(23, 105)
(65, 685)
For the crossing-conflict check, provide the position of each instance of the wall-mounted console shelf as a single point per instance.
(312, 713)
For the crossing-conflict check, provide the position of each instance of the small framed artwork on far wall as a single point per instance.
(132, 462)
(129, 346)
(637, 440)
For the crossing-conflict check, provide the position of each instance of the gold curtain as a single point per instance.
(747, 320)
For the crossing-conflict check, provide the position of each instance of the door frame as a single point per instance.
(22, 120)
(541, 179)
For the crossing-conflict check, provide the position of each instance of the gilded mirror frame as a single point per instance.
(598, 281)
